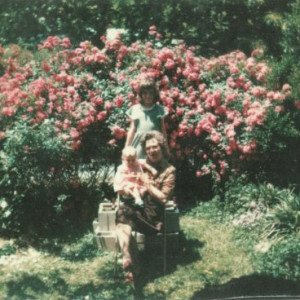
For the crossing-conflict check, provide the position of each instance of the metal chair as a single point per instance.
(163, 233)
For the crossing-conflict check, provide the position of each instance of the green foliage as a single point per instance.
(273, 213)
(215, 26)
(280, 130)
(31, 21)
(40, 181)
(265, 222)
(30, 160)
(81, 249)
(284, 218)
(7, 249)
(282, 260)
(240, 195)
(265, 206)
(286, 67)
(212, 208)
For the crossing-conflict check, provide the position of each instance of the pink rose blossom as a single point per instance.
(152, 29)
(279, 108)
(118, 132)
(286, 87)
(257, 52)
(119, 100)
(112, 142)
(199, 174)
(108, 105)
(170, 64)
(297, 104)
(74, 134)
(215, 137)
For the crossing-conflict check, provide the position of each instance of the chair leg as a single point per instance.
(164, 246)
(117, 251)
(117, 244)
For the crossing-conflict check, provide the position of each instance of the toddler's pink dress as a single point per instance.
(123, 178)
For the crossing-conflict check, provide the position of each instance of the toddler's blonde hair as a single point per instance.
(129, 151)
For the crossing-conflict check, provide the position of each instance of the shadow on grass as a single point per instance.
(111, 285)
(69, 245)
(32, 286)
(152, 263)
(26, 287)
(51, 241)
(253, 285)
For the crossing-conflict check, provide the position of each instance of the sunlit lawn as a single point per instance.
(207, 256)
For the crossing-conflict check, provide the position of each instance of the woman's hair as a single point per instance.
(128, 151)
(160, 139)
(146, 85)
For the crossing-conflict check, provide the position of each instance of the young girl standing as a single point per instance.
(145, 116)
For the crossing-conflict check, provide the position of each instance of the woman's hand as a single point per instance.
(153, 190)
(146, 181)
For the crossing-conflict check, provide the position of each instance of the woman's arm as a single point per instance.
(130, 134)
(166, 189)
(155, 192)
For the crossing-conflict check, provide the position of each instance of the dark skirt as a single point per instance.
(144, 219)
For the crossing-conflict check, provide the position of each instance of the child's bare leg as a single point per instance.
(132, 192)
(137, 196)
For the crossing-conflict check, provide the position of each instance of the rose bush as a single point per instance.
(62, 112)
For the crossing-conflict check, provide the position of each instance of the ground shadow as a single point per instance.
(185, 253)
(71, 246)
(111, 285)
(152, 262)
(253, 285)
(25, 287)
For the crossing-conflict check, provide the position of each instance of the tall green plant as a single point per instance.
(34, 165)
(284, 218)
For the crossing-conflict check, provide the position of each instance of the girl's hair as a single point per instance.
(146, 85)
(160, 139)
(128, 151)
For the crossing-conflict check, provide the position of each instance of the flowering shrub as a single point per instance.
(81, 94)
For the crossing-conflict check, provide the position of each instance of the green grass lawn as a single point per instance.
(209, 256)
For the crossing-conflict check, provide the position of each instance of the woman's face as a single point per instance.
(147, 97)
(153, 150)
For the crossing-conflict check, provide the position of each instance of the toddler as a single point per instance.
(128, 176)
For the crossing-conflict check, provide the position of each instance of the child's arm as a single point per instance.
(164, 132)
(130, 134)
(163, 128)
